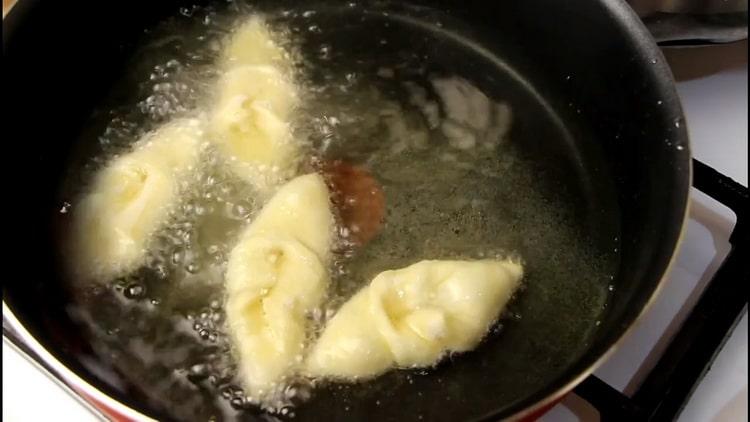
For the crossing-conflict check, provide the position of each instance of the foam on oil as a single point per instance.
(455, 187)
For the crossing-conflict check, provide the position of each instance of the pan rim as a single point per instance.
(644, 44)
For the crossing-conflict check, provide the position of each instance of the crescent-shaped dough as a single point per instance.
(252, 44)
(413, 316)
(254, 101)
(275, 276)
(250, 125)
(130, 199)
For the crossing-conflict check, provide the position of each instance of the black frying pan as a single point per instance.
(597, 109)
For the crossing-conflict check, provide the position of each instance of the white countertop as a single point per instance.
(713, 87)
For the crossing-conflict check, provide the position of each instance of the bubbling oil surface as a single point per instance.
(377, 105)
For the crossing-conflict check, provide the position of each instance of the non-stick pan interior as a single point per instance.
(594, 117)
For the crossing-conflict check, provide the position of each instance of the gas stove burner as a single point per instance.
(668, 386)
